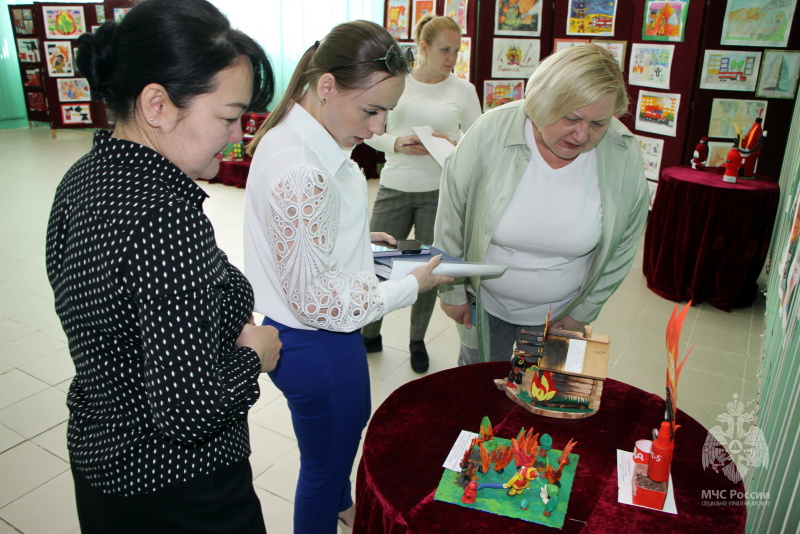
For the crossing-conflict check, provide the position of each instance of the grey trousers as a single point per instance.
(396, 212)
(502, 337)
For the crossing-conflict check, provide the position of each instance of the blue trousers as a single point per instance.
(325, 379)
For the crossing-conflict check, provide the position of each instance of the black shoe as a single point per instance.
(374, 344)
(419, 356)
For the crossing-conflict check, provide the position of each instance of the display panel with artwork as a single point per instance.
(514, 58)
(518, 17)
(651, 65)
(563, 44)
(730, 70)
(779, 74)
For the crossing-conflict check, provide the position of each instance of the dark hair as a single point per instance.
(180, 44)
(349, 48)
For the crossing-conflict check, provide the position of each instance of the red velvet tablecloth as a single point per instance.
(414, 429)
(707, 239)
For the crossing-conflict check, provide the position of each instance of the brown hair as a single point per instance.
(430, 26)
(349, 49)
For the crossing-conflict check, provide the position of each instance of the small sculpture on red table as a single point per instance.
(700, 154)
(750, 147)
(732, 164)
(651, 480)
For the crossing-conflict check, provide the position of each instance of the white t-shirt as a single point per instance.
(546, 236)
(449, 107)
(307, 249)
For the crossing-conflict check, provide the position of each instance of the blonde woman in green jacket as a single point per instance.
(553, 186)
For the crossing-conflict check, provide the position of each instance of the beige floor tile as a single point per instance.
(26, 467)
(49, 509)
(5, 528)
(35, 414)
(281, 478)
(11, 330)
(40, 318)
(53, 368)
(9, 438)
(28, 348)
(54, 441)
(16, 385)
(268, 447)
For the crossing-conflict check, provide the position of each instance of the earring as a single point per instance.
(154, 121)
(324, 101)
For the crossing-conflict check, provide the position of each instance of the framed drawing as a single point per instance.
(73, 90)
(658, 112)
(22, 21)
(730, 117)
(664, 20)
(730, 70)
(397, 12)
(59, 58)
(591, 18)
(514, 58)
(463, 59)
(457, 10)
(518, 17)
(757, 22)
(717, 153)
(651, 153)
(779, 74)
(651, 65)
(76, 114)
(28, 50)
(499, 92)
(63, 22)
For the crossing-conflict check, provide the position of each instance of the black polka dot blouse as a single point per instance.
(151, 308)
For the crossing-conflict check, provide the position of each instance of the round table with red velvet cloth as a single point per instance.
(412, 432)
(706, 239)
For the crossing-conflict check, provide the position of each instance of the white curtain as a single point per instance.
(286, 28)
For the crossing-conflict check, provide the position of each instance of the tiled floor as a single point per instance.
(36, 494)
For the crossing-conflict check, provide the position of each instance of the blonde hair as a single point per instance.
(430, 26)
(571, 79)
(349, 49)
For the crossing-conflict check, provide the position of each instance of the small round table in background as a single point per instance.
(412, 432)
(706, 239)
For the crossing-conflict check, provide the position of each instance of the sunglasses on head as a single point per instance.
(395, 59)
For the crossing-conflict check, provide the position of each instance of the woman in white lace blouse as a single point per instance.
(308, 255)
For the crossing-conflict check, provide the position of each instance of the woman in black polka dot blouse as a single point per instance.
(157, 318)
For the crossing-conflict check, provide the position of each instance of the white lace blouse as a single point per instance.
(306, 234)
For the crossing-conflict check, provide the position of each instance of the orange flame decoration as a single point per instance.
(673, 351)
(543, 387)
(65, 24)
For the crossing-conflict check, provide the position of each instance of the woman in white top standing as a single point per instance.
(409, 190)
(308, 256)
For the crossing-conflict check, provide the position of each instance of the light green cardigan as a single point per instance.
(478, 180)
